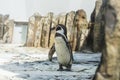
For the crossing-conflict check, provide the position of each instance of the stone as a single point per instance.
(1, 26)
(97, 30)
(6, 29)
(91, 34)
(31, 32)
(109, 68)
(62, 18)
(70, 26)
(8, 34)
(81, 25)
(38, 30)
(52, 30)
(46, 30)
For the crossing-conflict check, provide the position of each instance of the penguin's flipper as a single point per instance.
(70, 48)
(51, 52)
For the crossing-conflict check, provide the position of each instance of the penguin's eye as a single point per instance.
(58, 28)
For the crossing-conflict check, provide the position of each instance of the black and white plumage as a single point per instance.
(63, 48)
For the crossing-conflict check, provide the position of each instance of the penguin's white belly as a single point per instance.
(63, 54)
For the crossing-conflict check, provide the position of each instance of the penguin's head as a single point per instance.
(61, 29)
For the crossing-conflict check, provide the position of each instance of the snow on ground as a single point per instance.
(23, 63)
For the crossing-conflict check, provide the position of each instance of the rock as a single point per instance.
(8, 34)
(82, 29)
(91, 33)
(46, 30)
(52, 31)
(97, 30)
(42, 29)
(38, 30)
(62, 18)
(109, 68)
(6, 29)
(33, 25)
(31, 32)
(1, 26)
(70, 26)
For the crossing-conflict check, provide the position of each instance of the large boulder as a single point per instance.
(33, 25)
(81, 25)
(97, 27)
(109, 68)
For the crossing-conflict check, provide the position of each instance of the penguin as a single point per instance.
(51, 52)
(63, 48)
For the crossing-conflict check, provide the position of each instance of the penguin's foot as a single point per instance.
(68, 69)
(60, 67)
(60, 70)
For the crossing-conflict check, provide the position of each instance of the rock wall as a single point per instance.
(42, 30)
(109, 68)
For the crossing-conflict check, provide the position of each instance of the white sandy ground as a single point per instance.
(23, 63)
